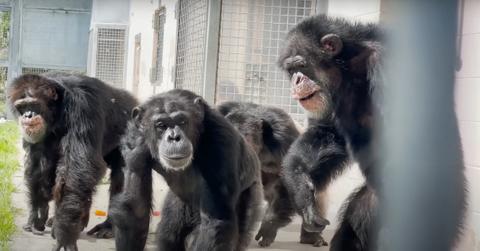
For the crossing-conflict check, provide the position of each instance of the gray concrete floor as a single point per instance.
(287, 238)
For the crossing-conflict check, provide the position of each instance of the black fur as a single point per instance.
(344, 60)
(84, 120)
(213, 202)
(270, 131)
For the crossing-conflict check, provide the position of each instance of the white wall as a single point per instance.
(110, 11)
(140, 16)
(468, 105)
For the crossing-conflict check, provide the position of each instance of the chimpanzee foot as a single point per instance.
(30, 228)
(37, 231)
(72, 247)
(27, 227)
(103, 230)
(313, 238)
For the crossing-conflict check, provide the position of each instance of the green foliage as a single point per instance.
(9, 138)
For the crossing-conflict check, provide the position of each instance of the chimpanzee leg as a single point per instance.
(75, 184)
(116, 162)
(249, 213)
(40, 176)
(358, 223)
(279, 213)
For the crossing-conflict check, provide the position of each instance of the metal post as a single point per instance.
(14, 67)
(211, 50)
(422, 174)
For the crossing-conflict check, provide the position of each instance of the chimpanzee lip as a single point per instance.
(31, 122)
(309, 96)
(175, 157)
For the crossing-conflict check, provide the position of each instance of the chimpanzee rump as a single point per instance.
(271, 131)
(71, 127)
(214, 178)
(335, 68)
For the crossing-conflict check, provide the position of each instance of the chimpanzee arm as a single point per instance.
(314, 159)
(320, 152)
(78, 173)
(218, 222)
(130, 209)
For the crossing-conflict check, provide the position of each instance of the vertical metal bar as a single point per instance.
(14, 67)
(211, 50)
(422, 177)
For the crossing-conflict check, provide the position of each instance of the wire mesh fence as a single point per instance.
(191, 45)
(251, 35)
(110, 55)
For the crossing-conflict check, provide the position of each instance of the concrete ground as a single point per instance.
(287, 238)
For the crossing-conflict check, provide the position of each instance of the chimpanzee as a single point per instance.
(215, 195)
(270, 131)
(71, 127)
(335, 69)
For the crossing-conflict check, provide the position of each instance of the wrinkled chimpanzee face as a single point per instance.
(315, 74)
(172, 125)
(32, 100)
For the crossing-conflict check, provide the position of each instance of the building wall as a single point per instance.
(141, 17)
(468, 105)
(110, 11)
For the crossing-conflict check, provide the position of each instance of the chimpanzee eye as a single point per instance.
(160, 125)
(182, 122)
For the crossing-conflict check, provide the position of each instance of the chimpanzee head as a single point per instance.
(251, 127)
(323, 57)
(258, 133)
(33, 100)
(172, 123)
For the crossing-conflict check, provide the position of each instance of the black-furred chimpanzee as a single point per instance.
(271, 131)
(215, 195)
(335, 69)
(71, 127)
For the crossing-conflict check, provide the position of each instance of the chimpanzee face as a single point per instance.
(314, 75)
(172, 126)
(33, 102)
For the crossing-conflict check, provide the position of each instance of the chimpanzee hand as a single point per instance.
(267, 233)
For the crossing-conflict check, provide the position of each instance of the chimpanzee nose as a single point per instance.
(297, 78)
(174, 135)
(28, 114)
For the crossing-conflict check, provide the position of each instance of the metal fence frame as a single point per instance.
(212, 42)
(92, 69)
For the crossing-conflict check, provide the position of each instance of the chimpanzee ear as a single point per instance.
(51, 93)
(199, 101)
(367, 60)
(137, 114)
(331, 44)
